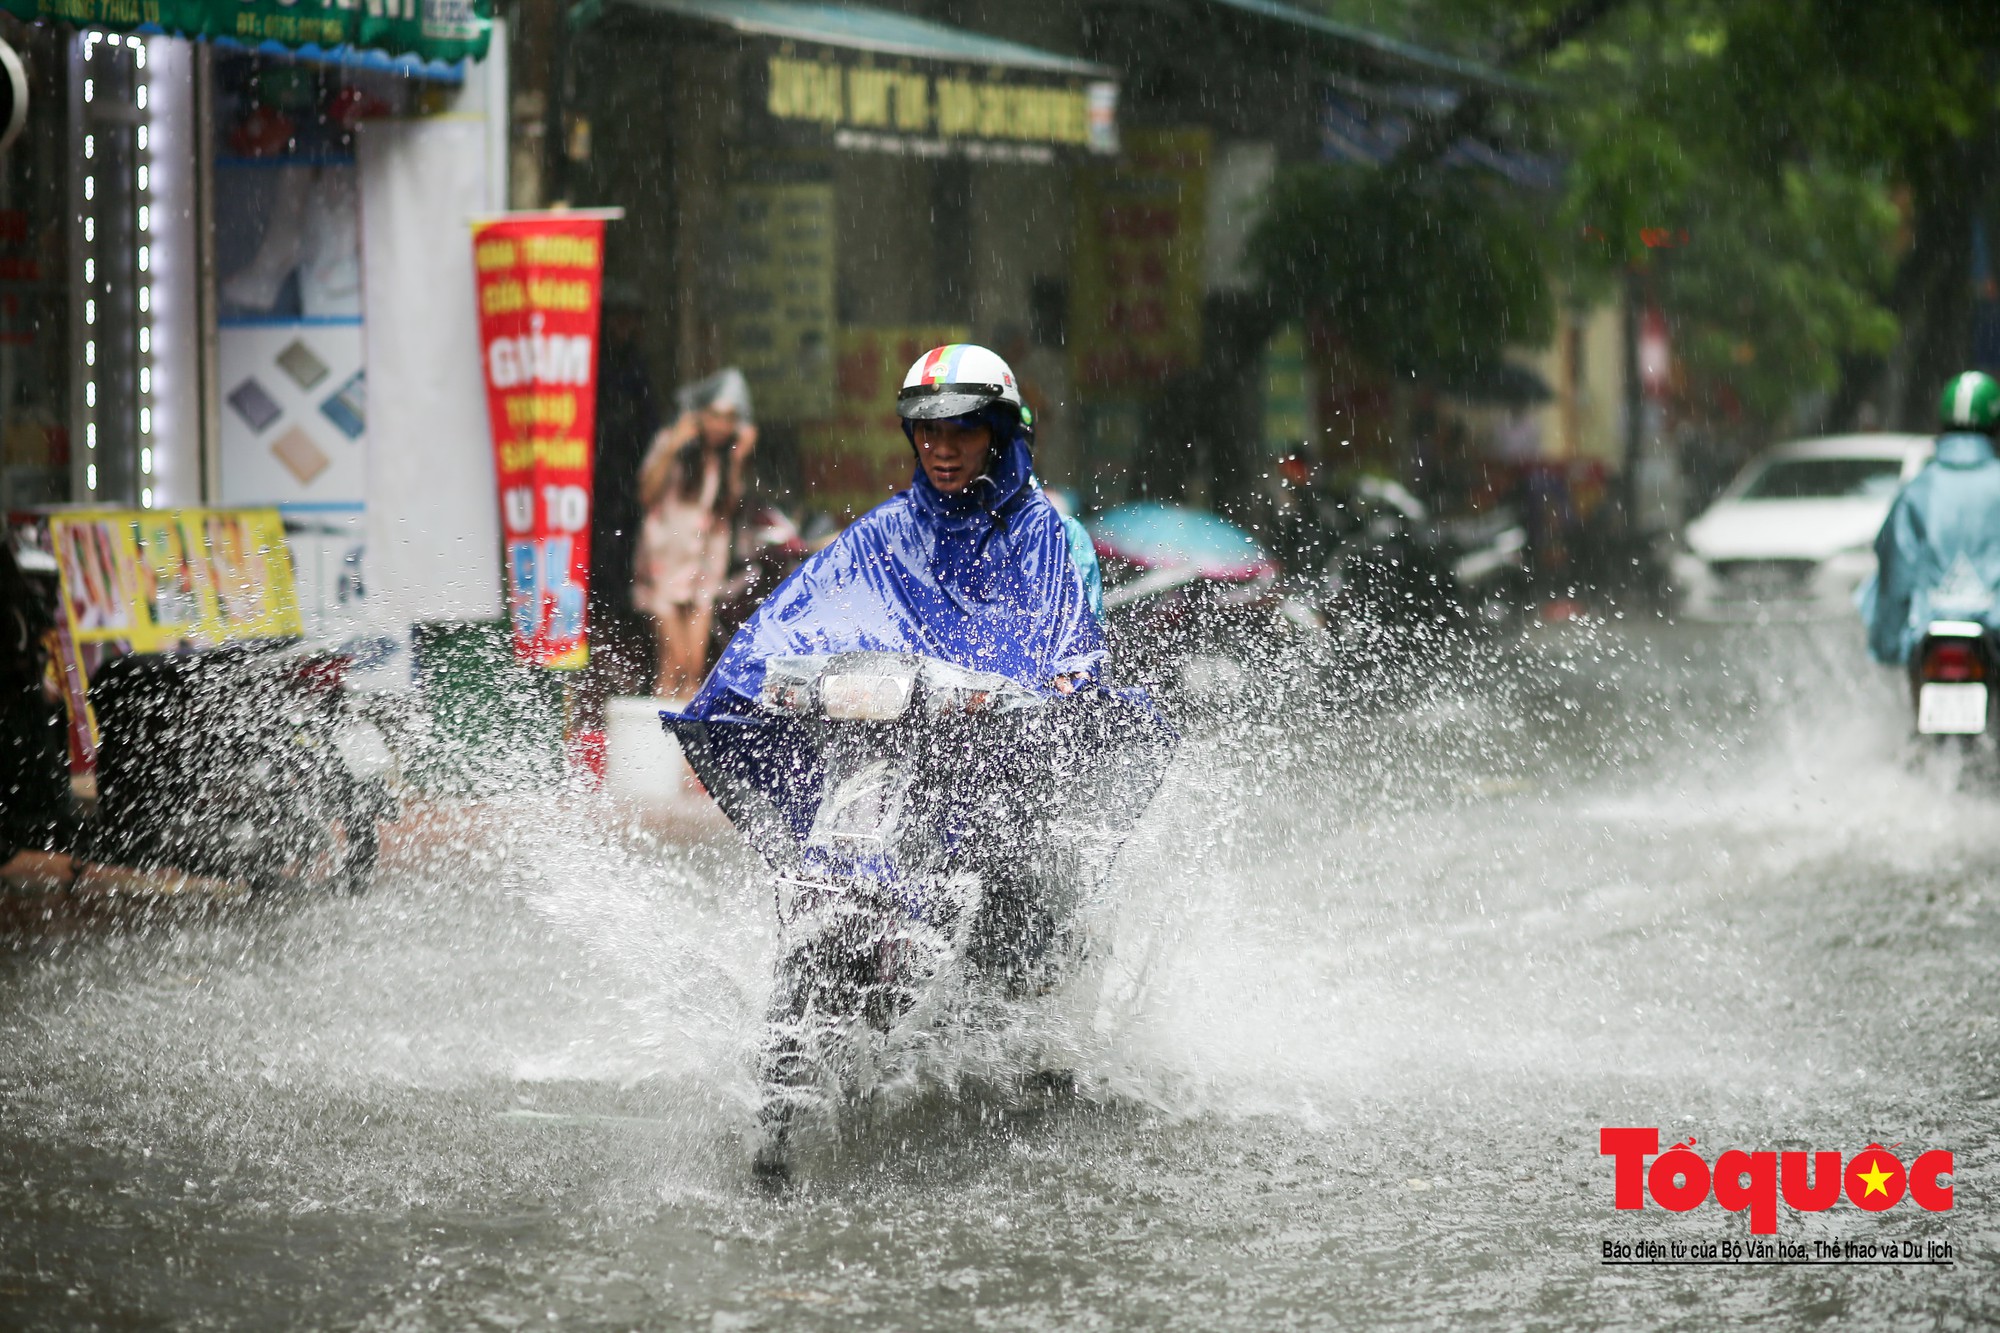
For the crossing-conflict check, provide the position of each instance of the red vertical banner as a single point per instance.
(541, 283)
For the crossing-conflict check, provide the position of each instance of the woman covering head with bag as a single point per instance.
(690, 486)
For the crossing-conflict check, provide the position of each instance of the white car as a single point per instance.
(1794, 535)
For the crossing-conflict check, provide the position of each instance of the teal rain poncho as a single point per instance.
(1938, 553)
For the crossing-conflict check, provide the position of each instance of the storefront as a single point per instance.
(281, 138)
(182, 312)
(818, 193)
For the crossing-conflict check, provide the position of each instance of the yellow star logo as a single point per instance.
(1875, 1177)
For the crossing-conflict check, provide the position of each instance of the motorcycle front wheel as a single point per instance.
(834, 984)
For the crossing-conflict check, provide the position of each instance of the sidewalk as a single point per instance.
(110, 896)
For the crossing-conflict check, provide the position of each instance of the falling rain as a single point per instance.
(747, 664)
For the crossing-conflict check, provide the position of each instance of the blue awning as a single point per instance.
(1367, 134)
(348, 57)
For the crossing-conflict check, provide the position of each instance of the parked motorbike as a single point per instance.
(953, 822)
(247, 762)
(1192, 602)
(1489, 562)
(1379, 558)
(1951, 678)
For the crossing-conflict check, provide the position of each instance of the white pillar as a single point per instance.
(433, 525)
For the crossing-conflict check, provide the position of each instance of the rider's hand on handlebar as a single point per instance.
(1070, 683)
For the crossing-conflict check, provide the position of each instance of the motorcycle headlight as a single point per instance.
(788, 683)
(869, 697)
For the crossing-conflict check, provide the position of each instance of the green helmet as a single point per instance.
(1971, 402)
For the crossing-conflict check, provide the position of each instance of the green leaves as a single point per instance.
(1435, 277)
(1775, 133)
(1821, 157)
(1781, 280)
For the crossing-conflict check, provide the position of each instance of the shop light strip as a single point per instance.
(145, 330)
(90, 41)
(141, 203)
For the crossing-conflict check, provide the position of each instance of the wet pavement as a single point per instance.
(1368, 982)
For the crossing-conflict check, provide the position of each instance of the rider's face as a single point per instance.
(952, 453)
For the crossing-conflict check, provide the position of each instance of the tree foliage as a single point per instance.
(1773, 264)
(1779, 284)
(1825, 159)
(1435, 277)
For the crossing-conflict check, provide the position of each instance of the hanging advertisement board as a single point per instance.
(157, 580)
(781, 297)
(540, 280)
(1137, 285)
(862, 101)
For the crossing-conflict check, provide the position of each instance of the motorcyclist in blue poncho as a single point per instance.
(1938, 553)
(916, 733)
(972, 565)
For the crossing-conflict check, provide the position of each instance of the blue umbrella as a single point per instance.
(1161, 536)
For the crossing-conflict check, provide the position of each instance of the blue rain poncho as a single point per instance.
(985, 579)
(1938, 553)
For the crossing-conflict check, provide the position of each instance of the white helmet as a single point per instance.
(957, 380)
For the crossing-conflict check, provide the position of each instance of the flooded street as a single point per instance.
(1367, 985)
(1012, 664)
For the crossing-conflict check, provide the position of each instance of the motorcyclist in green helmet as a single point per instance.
(1938, 553)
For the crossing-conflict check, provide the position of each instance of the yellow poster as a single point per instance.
(156, 580)
(1135, 315)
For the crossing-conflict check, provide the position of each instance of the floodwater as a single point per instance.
(1367, 984)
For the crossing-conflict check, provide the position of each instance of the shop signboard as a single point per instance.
(540, 279)
(158, 580)
(781, 306)
(1137, 289)
(862, 100)
(431, 29)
